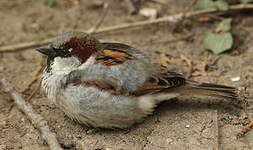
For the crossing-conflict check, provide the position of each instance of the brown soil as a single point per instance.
(183, 123)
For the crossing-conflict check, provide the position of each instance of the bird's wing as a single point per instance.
(164, 80)
(114, 54)
(159, 82)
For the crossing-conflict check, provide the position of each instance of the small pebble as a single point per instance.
(149, 12)
(234, 79)
(187, 126)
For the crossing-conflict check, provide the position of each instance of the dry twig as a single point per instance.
(100, 20)
(185, 37)
(20, 46)
(35, 118)
(171, 18)
(216, 134)
(188, 8)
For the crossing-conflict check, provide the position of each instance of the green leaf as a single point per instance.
(224, 25)
(204, 4)
(222, 5)
(218, 43)
(246, 1)
(49, 3)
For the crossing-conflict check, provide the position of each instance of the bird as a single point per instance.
(104, 84)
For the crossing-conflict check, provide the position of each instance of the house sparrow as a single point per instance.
(112, 85)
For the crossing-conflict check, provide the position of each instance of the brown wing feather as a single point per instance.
(159, 83)
(113, 54)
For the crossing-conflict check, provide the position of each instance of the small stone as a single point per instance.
(234, 79)
(187, 126)
(149, 12)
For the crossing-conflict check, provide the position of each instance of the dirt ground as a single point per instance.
(182, 123)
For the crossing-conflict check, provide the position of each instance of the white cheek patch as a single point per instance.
(65, 64)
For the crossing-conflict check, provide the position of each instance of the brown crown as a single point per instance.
(83, 45)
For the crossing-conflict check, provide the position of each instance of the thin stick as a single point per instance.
(193, 2)
(35, 118)
(171, 41)
(100, 20)
(20, 46)
(216, 134)
(171, 18)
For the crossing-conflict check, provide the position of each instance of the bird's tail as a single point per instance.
(208, 89)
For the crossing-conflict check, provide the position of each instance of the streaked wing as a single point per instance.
(158, 83)
(114, 54)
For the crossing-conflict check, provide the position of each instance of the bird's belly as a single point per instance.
(97, 108)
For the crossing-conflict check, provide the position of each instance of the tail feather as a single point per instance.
(210, 85)
(219, 90)
(208, 89)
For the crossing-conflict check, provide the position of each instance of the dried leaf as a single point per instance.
(165, 61)
(187, 60)
(245, 129)
(201, 69)
(204, 19)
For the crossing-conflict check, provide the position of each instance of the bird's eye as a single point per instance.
(70, 49)
(62, 51)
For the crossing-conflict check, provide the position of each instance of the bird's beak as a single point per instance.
(46, 50)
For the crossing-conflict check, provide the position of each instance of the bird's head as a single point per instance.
(70, 50)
